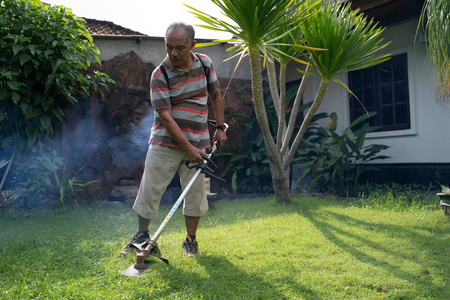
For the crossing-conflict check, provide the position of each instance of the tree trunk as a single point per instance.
(294, 112)
(280, 182)
(311, 112)
(279, 178)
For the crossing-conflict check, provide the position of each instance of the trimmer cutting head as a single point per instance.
(133, 272)
(144, 250)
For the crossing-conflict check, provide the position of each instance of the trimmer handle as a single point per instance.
(206, 169)
(209, 169)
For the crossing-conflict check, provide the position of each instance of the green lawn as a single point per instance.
(313, 248)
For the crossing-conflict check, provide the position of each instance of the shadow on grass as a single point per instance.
(50, 249)
(351, 238)
(220, 279)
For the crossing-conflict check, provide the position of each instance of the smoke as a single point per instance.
(107, 144)
(129, 146)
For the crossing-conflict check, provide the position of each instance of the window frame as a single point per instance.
(412, 98)
(379, 84)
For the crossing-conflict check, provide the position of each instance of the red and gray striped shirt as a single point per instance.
(186, 95)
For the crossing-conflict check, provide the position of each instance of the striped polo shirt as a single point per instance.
(186, 95)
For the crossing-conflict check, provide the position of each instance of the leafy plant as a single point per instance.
(336, 161)
(435, 14)
(43, 179)
(248, 170)
(44, 51)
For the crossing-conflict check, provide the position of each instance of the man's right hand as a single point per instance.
(194, 155)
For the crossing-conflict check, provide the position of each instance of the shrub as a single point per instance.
(43, 180)
(336, 161)
(44, 51)
(248, 170)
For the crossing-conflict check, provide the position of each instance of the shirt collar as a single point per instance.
(166, 62)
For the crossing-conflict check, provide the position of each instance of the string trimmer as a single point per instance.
(151, 248)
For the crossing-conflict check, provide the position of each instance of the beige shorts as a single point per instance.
(161, 165)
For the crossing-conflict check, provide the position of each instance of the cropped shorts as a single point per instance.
(161, 165)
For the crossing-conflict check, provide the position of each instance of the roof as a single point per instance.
(388, 12)
(99, 28)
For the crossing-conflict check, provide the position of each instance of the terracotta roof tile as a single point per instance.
(97, 27)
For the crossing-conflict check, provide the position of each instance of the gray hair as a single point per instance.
(188, 28)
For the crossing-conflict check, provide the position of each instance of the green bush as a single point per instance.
(336, 161)
(44, 52)
(43, 180)
(248, 170)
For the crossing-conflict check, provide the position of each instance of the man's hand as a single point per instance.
(220, 136)
(194, 155)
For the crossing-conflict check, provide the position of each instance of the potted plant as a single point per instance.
(444, 196)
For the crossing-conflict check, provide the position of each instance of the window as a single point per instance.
(384, 89)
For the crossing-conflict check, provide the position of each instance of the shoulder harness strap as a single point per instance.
(205, 69)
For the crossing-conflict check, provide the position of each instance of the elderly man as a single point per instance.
(179, 91)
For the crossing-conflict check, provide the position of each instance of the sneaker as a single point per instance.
(190, 247)
(139, 238)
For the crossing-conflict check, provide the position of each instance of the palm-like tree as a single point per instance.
(255, 23)
(436, 17)
(338, 40)
(351, 42)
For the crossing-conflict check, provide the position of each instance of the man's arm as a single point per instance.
(217, 105)
(193, 154)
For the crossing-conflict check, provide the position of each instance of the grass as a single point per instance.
(313, 248)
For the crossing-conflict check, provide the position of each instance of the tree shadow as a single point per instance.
(352, 240)
(224, 280)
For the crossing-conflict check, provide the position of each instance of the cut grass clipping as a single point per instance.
(314, 248)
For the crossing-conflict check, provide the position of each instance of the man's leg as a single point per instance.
(143, 223)
(190, 245)
(191, 225)
(152, 188)
(195, 205)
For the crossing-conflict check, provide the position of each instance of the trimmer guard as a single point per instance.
(153, 250)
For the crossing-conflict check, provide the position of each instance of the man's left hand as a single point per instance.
(220, 136)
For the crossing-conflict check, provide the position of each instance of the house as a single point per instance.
(115, 128)
(401, 90)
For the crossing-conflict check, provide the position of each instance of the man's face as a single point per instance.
(178, 47)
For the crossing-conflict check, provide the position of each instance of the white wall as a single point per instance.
(428, 140)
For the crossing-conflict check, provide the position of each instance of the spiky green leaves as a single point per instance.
(351, 41)
(254, 23)
(437, 33)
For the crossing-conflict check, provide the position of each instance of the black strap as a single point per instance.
(163, 70)
(205, 69)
